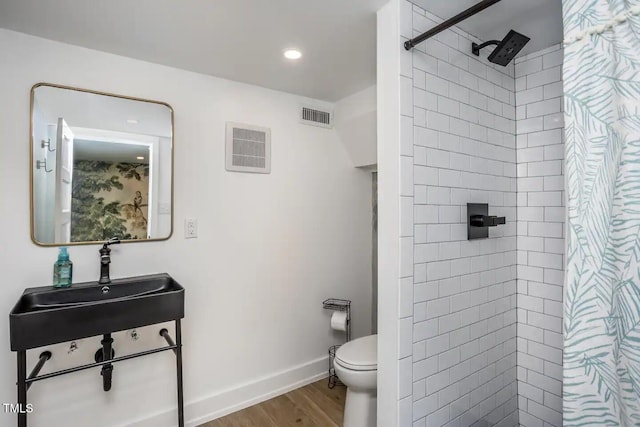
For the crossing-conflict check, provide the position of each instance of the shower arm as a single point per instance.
(479, 7)
(476, 48)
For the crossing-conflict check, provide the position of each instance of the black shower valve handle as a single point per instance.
(487, 220)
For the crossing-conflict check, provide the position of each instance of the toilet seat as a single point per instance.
(359, 355)
(356, 364)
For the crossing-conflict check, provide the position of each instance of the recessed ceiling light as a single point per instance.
(132, 121)
(140, 157)
(292, 54)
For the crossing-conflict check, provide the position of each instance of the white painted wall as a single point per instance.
(270, 247)
(355, 122)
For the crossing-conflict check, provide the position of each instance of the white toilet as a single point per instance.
(356, 365)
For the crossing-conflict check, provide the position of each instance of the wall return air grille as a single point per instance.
(248, 148)
(315, 117)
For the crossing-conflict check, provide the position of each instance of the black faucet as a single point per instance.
(105, 260)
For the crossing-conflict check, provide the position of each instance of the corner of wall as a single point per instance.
(541, 222)
(355, 122)
(388, 133)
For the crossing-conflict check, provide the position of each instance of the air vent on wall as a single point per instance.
(248, 148)
(315, 117)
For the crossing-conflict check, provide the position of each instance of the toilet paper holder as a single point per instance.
(336, 304)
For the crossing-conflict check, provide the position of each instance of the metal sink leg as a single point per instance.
(178, 352)
(179, 369)
(22, 388)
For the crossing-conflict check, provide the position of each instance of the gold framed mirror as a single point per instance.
(101, 167)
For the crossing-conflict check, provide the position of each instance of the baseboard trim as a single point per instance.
(242, 396)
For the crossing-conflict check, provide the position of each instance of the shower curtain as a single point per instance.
(602, 291)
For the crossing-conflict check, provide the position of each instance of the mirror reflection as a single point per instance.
(102, 167)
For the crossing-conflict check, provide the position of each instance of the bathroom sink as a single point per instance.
(96, 294)
(46, 315)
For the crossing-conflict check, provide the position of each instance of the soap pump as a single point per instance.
(62, 270)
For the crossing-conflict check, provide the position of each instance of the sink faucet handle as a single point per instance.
(106, 250)
(112, 241)
(105, 247)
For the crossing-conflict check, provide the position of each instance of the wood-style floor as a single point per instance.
(314, 405)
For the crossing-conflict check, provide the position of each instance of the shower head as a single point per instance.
(507, 49)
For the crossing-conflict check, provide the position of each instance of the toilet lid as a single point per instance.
(360, 354)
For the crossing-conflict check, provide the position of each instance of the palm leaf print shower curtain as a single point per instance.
(602, 290)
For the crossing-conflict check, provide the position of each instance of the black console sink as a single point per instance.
(45, 315)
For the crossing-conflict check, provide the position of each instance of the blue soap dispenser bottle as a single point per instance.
(62, 270)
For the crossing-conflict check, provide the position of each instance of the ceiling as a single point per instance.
(110, 151)
(541, 20)
(243, 40)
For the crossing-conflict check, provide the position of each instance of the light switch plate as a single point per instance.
(190, 228)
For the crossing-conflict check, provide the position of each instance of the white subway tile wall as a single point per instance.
(458, 325)
(541, 216)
